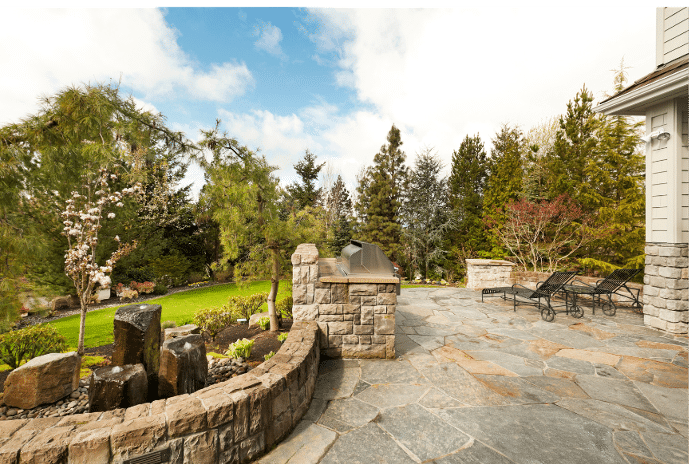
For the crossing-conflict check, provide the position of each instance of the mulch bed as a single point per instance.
(265, 341)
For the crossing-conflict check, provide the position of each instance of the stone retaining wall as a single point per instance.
(487, 273)
(666, 287)
(356, 315)
(230, 422)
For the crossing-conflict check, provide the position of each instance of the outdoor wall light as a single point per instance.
(660, 134)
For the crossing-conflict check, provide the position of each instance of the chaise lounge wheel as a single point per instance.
(547, 314)
(609, 310)
(576, 311)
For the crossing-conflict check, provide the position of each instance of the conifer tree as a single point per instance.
(465, 199)
(340, 216)
(505, 170)
(380, 192)
(304, 193)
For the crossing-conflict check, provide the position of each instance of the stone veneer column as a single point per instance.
(305, 277)
(666, 287)
(487, 273)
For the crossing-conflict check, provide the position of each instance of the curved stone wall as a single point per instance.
(230, 422)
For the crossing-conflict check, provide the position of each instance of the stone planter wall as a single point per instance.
(356, 315)
(666, 287)
(487, 273)
(230, 422)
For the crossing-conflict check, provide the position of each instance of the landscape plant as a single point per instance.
(82, 219)
(240, 348)
(264, 323)
(283, 336)
(25, 344)
(285, 307)
(214, 320)
(269, 355)
(246, 306)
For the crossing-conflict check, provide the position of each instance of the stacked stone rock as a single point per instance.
(229, 422)
(666, 287)
(487, 273)
(356, 317)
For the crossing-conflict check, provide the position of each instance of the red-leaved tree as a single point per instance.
(543, 234)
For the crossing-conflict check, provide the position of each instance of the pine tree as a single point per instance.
(380, 192)
(505, 170)
(305, 194)
(426, 215)
(465, 199)
(340, 217)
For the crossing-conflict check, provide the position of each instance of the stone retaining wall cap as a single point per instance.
(488, 262)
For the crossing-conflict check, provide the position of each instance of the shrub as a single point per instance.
(26, 344)
(196, 277)
(282, 337)
(160, 289)
(240, 348)
(285, 307)
(246, 306)
(128, 294)
(264, 323)
(171, 270)
(168, 324)
(144, 287)
(269, 355)
(214, 320)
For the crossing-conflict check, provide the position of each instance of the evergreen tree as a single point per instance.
(504, 183)
(305, 193)
(339, 216)
(573, 162)
(540, 141)
(380, 193)
(465, 199)
(426, 215)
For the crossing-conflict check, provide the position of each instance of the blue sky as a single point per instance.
(331, 81)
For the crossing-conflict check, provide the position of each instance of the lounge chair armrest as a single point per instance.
(538, 284)
(521, 286)
(573, 282)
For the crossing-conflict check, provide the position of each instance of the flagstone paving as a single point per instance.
(480, 383)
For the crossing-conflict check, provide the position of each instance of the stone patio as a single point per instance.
(478, 383)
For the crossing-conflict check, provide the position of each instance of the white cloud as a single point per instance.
(270, 36)
(45, 50)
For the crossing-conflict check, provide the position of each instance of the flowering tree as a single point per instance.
(83, 214)
(542, 234)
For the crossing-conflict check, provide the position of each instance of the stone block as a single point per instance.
(114, 387)
(281, 404)
(364, 351)
(339, 328)
(331, 318)
(310, 294)
(305, 312)
(370, 300)
(677, 327)
(296, 275)
(649, 290)
(656, 281)
(313, 273)
(364, 340)
(652, 270)
(363, 289)
(669, 251)
(186, 416)
(240, 415)
(305, 274)
(228, 449)
(322, 333)
(386, 288)
(367, 315)
(651, 250)
(363, 329)
(340, 293)
(351, 309)
(259, 409)
(387, 299)
(684, 251)
(390, 347)
(684, 273)
(322, 296)
(384, 324)
(380, 309)
(334, 340)
(391, 309)
(677, 305)
(48, 446)
(378, 339)
(219, 406)
(670, 272)
(657, 323)
(201, 448)
(183, 366)
(330, 309)
(137, 437)
(671, 316)
(90, 447)
(350, 339)
(299, 294)
(136, 340)
(252, 447)
(44, 379)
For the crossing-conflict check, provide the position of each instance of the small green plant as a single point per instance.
(160, 289)
(214, 320)
(22, 345)
(264, 323)
(282, 337)
(246, 306)
(240, 348)
(285, 307)
(269, 355)
(168, 324)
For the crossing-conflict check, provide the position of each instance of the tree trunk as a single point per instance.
(82, 320)
(274, 289)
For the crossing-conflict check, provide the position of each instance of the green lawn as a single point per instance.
(178, 307)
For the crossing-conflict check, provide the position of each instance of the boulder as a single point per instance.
(136, 340)
(114, 387)
(60, 302)
(44, 379)
(181, 331)
(183, 365)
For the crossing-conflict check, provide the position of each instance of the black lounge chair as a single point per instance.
(546, 290)
(608, 286)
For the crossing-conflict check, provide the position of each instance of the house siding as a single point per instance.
(672, 34)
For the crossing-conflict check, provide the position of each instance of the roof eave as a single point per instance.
(636, 102)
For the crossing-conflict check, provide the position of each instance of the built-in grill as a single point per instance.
(365, 259)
